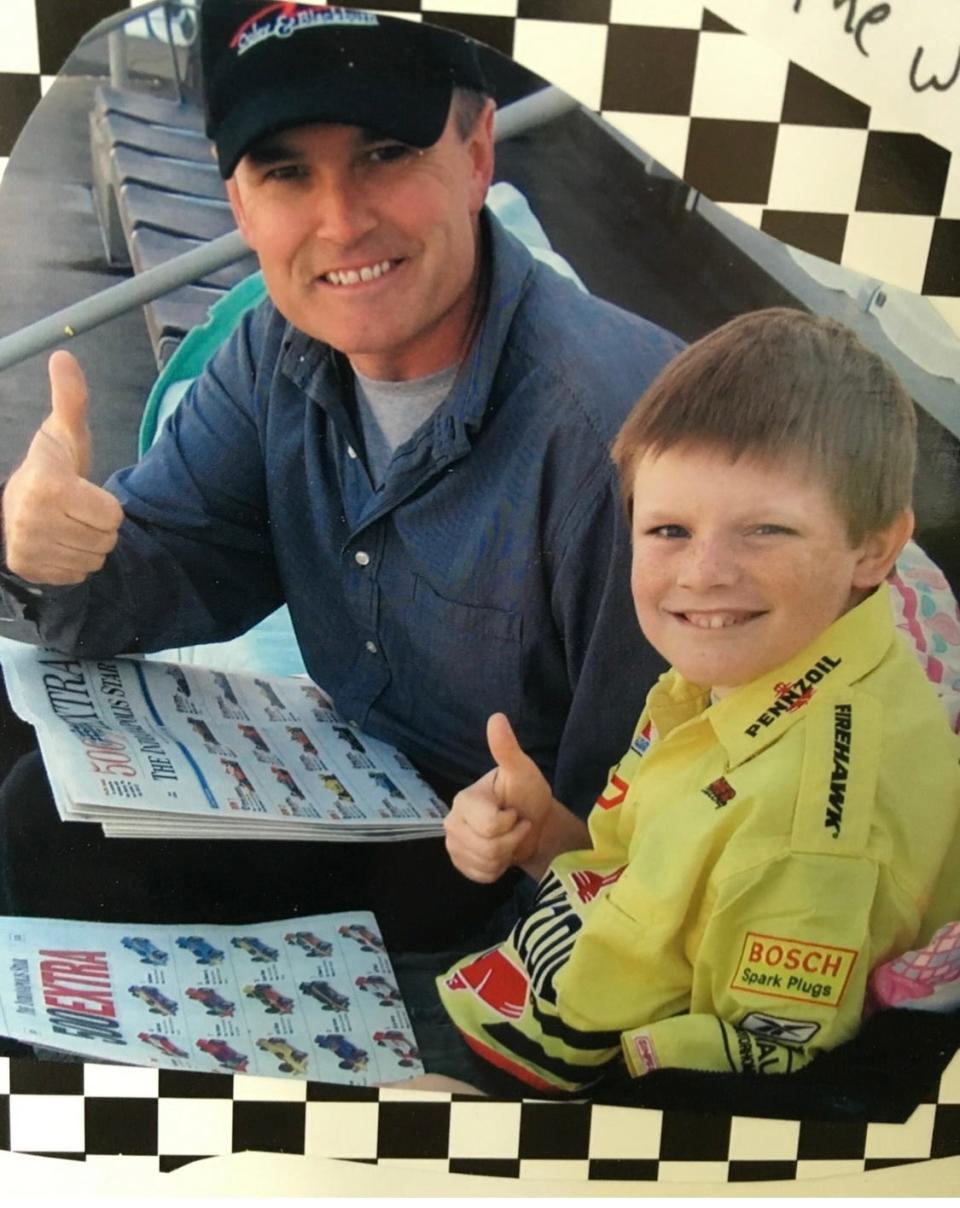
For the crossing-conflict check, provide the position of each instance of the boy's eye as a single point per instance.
(669, 531)
(771, 530)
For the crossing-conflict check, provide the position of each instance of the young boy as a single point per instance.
(786, 817)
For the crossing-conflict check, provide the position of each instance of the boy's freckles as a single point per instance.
(737, 566)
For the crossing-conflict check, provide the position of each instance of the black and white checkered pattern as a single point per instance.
(879, 202)
(89, 1112)
(737, 121)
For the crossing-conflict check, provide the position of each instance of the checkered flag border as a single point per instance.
(666, 85)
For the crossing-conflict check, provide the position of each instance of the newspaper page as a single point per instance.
(308, 998)
(159, 749)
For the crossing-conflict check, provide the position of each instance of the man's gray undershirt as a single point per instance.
(390, 412)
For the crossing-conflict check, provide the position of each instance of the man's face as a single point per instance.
(367, 244)
(739, 566)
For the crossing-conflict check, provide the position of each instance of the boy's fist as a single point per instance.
(497, 822)
(57, 527)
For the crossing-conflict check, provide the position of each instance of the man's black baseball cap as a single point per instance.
(267, 67)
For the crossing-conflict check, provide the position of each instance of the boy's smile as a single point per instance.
(737, 566)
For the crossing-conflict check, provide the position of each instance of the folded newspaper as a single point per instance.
(303, 998)
(161, 750)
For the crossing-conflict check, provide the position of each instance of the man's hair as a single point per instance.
(781, 384)
(468, 104)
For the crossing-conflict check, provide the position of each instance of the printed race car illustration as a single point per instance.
(269, 693)
(368, 940)
(379, 986)
(351, 1058)
(275, 1002)
(256, 949)
(350, 739)
(211, 1000)
(333, 785)
(398, 1043)
(310, 943)
(324, 993)
(149, 953)
(157, 1003)
(225, 687)
(205, 952)
(179, 679)
(383, 781)
(292, 1061)
(225, 1055)
(163, 1043)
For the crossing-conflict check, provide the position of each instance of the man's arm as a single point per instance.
(58, 528)
(611, 666)
(192, 560)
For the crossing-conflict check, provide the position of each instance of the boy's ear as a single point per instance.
(880, 550)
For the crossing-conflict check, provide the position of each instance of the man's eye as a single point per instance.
(286, 172)
(669, 531)
(390, 153)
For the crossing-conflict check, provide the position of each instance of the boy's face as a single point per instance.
(738, 566)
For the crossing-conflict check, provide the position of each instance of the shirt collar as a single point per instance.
(312, 365)
(758, 714)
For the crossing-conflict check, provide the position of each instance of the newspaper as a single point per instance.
(151, 749)
(308, 998)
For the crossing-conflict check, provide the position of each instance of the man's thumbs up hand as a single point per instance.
(497, 822)
(57, 527)
(66, 424)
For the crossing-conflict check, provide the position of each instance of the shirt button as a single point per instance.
(361, 557)
(371, 647)
(351, 453)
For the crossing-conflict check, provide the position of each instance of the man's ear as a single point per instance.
(480, 145)
(236, 204)
(880, 550)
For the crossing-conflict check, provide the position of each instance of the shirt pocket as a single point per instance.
(469, 663)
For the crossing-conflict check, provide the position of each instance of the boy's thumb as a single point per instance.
(513, 764)
(68, 401)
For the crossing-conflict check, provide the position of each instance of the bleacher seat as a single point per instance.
(158, 194)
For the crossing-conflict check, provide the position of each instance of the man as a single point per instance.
(408, 444)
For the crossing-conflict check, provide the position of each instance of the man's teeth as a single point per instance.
(716, 620)
(353, 276)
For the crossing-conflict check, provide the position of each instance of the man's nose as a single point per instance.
(708, 562)
(343, 213)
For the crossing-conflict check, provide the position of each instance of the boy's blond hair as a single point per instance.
(785, 384)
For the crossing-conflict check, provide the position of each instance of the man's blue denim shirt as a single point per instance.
(490, 572)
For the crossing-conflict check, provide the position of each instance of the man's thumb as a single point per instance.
(68, 397)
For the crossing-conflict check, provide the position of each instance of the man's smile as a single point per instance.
(359, 274)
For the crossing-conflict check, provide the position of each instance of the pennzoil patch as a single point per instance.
(787, 968)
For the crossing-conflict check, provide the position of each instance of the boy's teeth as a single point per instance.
(352, 276)
(715, 620)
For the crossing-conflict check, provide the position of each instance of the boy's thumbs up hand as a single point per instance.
(57, 527)
(497, 822)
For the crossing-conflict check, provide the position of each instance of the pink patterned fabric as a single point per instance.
(926, 612)
(924, 978)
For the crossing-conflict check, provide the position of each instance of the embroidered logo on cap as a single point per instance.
(284, 19)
